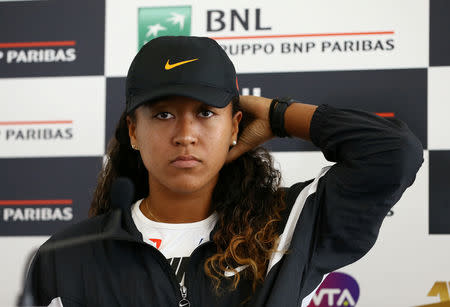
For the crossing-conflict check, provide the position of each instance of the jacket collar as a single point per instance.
(119, 225)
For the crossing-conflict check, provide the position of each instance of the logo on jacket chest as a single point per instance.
(155, 242)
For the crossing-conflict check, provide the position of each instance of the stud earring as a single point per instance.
(234, 143)
(134, 147)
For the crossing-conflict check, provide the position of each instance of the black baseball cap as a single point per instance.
(195, 67)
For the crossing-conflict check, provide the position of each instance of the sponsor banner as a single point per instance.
(439, 206)
(439, 32)
(157, 21)
(338, 289)
(50, 40)
(326, 35)
(441, 292)
(61, 198)
(269, 37)
(52, 117)
(438, 107)
(389, 93)
(145, 21)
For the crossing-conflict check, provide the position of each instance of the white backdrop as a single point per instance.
(407, 261)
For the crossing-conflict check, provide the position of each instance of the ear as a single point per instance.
(235, 125)
(131, 130)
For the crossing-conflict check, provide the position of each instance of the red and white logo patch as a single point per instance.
(155, 242)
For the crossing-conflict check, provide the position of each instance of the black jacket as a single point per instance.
(330, 221)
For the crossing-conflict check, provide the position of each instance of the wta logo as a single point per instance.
(338, 289)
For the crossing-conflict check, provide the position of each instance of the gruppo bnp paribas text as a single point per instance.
(250, 20)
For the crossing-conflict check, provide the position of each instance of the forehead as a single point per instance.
(176, 100)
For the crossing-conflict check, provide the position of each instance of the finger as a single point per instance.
(237, 151)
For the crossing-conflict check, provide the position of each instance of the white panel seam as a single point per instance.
(286, 236)
(307, 299)
(56, 302)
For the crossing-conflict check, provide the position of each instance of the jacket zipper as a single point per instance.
(170, 272)
(187, 280)
(184, 302)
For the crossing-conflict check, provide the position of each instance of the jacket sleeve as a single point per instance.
(40, 278)
(41, 285)
(377, 159)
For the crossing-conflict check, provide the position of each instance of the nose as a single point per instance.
(185, 132)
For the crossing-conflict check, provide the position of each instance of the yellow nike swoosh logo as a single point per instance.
(170, 66)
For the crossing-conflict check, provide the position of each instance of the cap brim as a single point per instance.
(210, 95)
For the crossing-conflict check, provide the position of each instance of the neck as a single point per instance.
(167, 206)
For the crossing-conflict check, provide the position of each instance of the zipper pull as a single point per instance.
(184, 301)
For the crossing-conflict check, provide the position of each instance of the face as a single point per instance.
(183, 142)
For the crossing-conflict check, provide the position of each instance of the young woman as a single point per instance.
(209, 224)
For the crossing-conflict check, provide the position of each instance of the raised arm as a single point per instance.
(297, 123)
(376, 161)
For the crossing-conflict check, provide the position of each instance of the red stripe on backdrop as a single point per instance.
(36, 122)
(37, 44)
(35, 202)
(304, 35)
(387, 114)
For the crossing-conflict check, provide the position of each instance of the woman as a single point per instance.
(209, 225)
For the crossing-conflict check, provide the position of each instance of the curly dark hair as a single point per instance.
(247, 199)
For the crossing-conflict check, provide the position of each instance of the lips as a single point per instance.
(185, 161)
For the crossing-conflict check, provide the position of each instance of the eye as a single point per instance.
(164, 115)
(206, 113)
